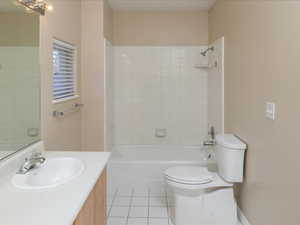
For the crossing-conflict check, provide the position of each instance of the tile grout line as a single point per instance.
(167, 205)
(148, 215)
(130, 205)
(112, 202)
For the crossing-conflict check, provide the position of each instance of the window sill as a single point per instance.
(65, 99)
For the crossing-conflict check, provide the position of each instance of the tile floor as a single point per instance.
(138, 206)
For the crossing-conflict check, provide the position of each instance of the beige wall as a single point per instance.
(62, 23)
(160, 28)
(80, 23)
(93, 81)
(262, 64)
(20, 29)
(107, 21)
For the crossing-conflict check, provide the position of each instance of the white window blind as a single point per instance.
(64, 79)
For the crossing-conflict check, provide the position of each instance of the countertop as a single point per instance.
(55, 206)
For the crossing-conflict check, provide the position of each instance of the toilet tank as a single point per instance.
(230, 152)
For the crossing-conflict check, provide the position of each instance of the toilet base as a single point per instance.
(215, 206)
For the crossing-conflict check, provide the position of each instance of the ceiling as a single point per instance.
(161, 5)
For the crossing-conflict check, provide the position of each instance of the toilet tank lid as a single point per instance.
(230, 141)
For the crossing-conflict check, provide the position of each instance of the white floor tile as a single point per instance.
(109, 200)
(111, 191)
(125, 191)
(158, 201)
(116, 221)
(157, 192)
(122, 201)
(117, 211)
(158, 212)
(138, 212)
(158, 221)
(141, 192)
(170, 222)
(140, 201)
(137, 221)
(171, 201)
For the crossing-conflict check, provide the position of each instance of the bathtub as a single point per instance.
(141, 167)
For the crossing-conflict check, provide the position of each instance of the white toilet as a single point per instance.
(197, 196)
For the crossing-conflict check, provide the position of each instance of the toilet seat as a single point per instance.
(192, 175)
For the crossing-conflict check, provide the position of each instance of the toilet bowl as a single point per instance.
(202, 199)
(197, 196)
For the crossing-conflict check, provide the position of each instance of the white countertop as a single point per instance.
(55, 206)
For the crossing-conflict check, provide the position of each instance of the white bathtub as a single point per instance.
(140, 167)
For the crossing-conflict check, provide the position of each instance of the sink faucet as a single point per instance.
(33, 162)
(211, 141)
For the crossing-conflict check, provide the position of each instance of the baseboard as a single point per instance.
(242, 218)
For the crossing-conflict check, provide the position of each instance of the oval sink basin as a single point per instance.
(54, 172)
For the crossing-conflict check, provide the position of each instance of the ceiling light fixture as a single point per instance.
(39, 6)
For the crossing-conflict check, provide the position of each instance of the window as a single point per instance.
(64, 74)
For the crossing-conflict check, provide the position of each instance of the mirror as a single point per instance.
(19, 78)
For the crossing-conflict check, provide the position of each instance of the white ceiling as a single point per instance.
(162, 5)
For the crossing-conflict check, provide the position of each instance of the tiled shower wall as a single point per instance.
(159, 88)
(216, 87)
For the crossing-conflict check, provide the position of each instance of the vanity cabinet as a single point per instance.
(93, 211)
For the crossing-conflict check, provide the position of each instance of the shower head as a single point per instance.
(207, 50)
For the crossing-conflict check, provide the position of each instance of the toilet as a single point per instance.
(197, 196)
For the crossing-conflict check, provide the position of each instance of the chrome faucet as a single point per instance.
(35, 160)
(211, 141)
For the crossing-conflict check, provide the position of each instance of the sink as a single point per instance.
(54, 172)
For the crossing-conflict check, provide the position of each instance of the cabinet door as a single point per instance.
(100, 200)
(87, 213)
(94, 212)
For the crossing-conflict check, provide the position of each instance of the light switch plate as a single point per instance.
(270, 110)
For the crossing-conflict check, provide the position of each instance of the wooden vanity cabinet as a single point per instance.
(93, 211)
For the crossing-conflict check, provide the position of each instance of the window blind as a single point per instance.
(63, 70)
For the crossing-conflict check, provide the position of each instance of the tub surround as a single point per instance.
(142, 167)
(55, 206)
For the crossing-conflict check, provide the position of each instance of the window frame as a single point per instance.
(75, 86)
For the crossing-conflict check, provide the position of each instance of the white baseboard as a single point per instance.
(242, 218)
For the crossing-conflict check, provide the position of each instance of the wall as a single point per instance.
(17, 23)
(262, 64)
(19, 96)
(84, 24)
(160, 28)
(159, 87)
(19, 75)
(109, 96)
(93, 76)
(108, 21)
(64, 23)
(108, 71)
